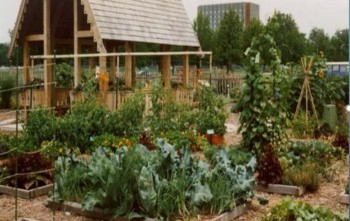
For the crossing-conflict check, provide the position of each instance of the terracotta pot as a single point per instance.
(208, 137)
(217, 140)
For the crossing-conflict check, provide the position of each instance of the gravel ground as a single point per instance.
(327, 195)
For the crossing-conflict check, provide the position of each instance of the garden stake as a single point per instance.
(306, 90)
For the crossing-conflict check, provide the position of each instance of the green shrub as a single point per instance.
(64, 75)
(81, 123)
(8, 82)
(40, 126)
(302, 128)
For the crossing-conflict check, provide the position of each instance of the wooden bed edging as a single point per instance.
(236, 212)
(282, 189)
(76, 208)
(26, 194)
(344, 198)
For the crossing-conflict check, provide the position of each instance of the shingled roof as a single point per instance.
(149, 21)
(153, 21)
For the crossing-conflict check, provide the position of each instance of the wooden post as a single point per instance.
(92, 63)
(77, 48)
(26, 63)
(103, 64)
(165, 66)
(47, 51)
(186, 69)
(114, 49)
(128, 65)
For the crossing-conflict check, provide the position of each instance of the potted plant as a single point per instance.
(211, 116)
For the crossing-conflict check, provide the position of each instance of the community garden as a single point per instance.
(179, 162)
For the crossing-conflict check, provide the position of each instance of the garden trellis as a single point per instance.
(306, 63)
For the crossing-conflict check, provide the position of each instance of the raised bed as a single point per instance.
(76, 208)
(344, 198)
(26, 194)
(282, 189)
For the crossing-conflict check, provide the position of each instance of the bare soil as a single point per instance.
(327, 195)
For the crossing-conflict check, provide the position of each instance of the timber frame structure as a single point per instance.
(100, 27)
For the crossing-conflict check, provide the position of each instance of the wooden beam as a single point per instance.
(56, 18)
(165, 66)
(38, 37)
(70, 42)
(47, 51)
(128, 65)
(77, 61)
(85, 34)
(26, 63)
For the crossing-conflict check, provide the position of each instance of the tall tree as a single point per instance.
(4, 61)
(201, 25)
(254, 29)
(289, 40)
(229, 40)
(319, 41)
(340, 45)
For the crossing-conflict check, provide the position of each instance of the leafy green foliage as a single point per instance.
(302, 128)
(129, 118)
(7, 82)
(167, 114)
(160, 183)
(264, 102)
(253, 30)
(313, 151)
(64, 75)
(40, 126)
(201, 25)
(290, 209)
(319, 41)
(83, 121)
(291, 43)
(340, 43)
(269, 168)
(211, 114)
(229, 39)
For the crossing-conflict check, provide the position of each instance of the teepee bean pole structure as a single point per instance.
(306, 63)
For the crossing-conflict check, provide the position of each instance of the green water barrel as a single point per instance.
(330, 115)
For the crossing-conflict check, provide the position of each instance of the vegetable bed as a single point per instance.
(163, 183)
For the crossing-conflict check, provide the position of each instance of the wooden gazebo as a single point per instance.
(101, 26)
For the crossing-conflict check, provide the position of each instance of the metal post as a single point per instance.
(349, 113)
(17, 103)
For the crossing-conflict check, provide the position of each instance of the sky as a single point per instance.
(331, 15)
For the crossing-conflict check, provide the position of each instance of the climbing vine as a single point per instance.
(264, 101)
